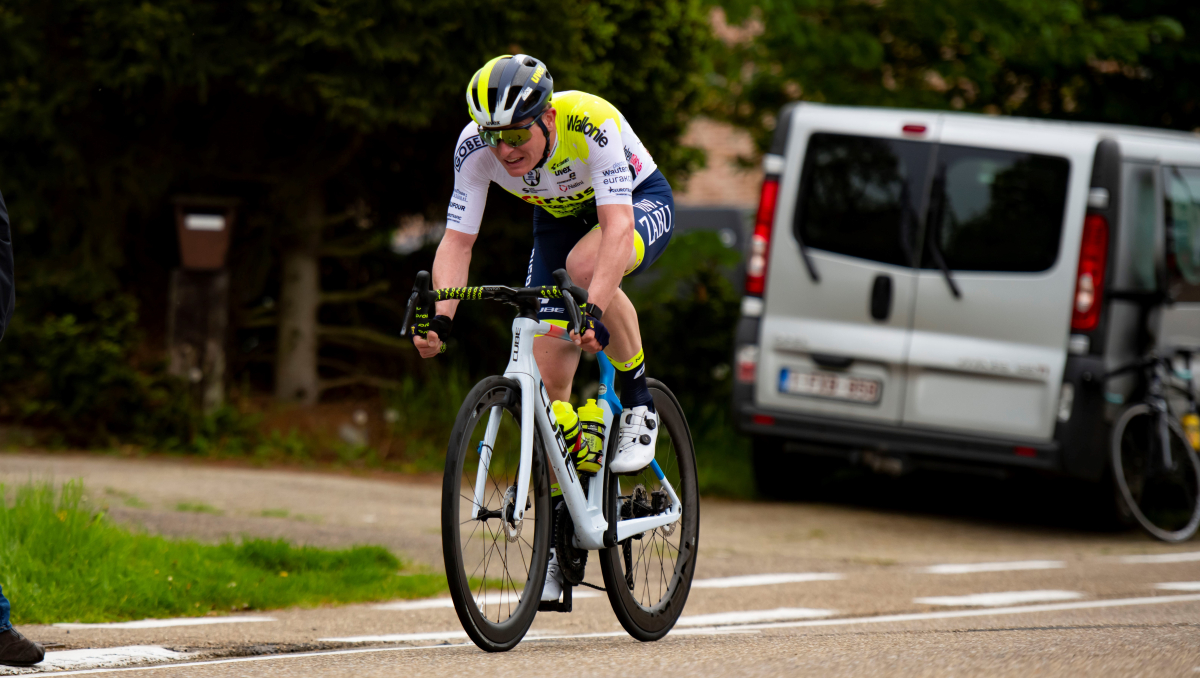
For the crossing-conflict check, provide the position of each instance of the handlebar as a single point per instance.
(423, 297)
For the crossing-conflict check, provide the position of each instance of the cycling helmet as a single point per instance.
(509, 89)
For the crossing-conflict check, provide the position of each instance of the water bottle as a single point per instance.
(592, 421)
(1191, 426)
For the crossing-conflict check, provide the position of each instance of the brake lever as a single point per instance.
(573, 296)
(574, 312)
(421, 299)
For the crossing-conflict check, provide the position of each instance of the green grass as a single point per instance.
(274, 513)
(198, 507)
(64, 562)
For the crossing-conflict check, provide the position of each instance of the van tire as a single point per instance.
(789, 476)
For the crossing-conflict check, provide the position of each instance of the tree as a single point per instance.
(329, 120)
(1018, 57)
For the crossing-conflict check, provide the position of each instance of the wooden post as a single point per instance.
(196, 326)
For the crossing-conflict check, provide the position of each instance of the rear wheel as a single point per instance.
(495, 567)
(1161, 490)
(648, 576)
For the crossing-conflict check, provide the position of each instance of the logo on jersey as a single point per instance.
(634, 163)
(466, 148)
(558, 172)
(585, 127)
(533, 178)
(568, 187)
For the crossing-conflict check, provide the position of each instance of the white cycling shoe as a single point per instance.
(552, 591)
(639, 431)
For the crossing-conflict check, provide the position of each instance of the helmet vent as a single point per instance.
(491, 102)
(475, 96)
(513, 92)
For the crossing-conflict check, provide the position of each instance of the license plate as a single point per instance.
(832, 386)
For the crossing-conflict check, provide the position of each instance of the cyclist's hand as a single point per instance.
(435, 329)
(430, 345)
(595, 337)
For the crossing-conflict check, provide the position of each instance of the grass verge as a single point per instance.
(64, 562)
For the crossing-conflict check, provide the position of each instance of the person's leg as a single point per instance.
(4, 612)
(653, 211)
(553, 239)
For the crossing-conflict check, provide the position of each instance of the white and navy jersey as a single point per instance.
(597, 160)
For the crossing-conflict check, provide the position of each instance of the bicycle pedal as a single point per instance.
(556, 605)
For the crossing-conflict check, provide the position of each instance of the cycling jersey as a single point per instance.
(597, 160)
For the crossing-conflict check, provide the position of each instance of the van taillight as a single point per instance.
(1089, 284)
(760, 242)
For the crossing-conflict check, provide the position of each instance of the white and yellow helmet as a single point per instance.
(509, 89)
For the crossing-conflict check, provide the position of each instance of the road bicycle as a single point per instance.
(498, 527)
(1153, 451)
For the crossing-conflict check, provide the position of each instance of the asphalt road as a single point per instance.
(862, 590)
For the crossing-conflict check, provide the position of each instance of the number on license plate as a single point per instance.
(825, 385)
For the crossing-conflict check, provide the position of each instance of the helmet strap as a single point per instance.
(546, 150)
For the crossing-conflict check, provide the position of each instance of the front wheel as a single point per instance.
(648, 576)
(495, 567)
(1161, 490)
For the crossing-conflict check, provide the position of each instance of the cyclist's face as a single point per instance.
(520, 160)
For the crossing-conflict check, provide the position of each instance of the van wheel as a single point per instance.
(783, 475)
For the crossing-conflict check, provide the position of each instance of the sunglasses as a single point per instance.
(513, 136)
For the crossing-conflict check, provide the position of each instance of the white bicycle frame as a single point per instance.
(586, 510)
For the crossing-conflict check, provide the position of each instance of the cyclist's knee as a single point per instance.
(581, 265)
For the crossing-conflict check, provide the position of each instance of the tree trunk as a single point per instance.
(299, 297)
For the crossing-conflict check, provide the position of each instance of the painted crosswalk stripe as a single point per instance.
(435, 603)
(970, 568)
(999, 598)
(166, 623)
(753, 616)
(66, 660)
(1188, 557)
(1179, 586)
(764, 579)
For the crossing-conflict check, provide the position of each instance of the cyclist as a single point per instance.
(602, 210)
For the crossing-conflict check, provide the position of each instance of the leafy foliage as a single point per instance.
(1021, 57)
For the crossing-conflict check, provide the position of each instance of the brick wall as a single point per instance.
(722, 182)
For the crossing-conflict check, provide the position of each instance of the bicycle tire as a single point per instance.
(649, 611)
(495, 551)
(1141, 482)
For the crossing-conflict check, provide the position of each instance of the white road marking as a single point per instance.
(1188, 557)
(969, 568)
(434, 603)
(891, 618)
(751, 616)
(991, 612)
(399, 637)
(764, 579)
(999, 598)
(164, 623)
(1179, 586)
(109, 656)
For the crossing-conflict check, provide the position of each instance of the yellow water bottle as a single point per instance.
(568, 423)
(592, 421)
(1191, 426)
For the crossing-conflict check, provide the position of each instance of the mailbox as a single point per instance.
(204, 224)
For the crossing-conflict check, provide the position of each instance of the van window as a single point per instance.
(860, 196)
(997, 210)
(1135, 268)
(1181, 213)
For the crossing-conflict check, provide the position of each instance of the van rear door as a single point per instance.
(1003, 235)
(852, 195)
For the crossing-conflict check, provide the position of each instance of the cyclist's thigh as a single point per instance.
(653, 220)
(553, 240)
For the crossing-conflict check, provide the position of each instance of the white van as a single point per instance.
(947, 290)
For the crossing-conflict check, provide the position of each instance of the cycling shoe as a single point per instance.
(639, 431)
(552, 591)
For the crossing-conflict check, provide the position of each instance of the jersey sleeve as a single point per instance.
(471, 181)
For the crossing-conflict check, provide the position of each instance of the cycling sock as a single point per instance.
(633, 381)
